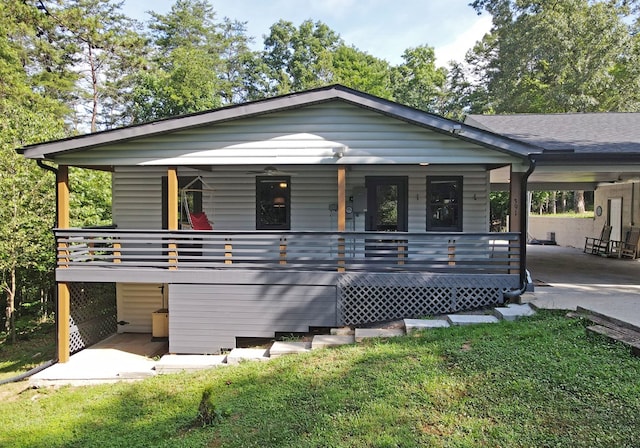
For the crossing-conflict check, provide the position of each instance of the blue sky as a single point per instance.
(380, 27)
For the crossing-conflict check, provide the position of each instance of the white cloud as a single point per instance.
(457, 48)
(382, 28)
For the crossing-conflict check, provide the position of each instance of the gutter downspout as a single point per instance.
(42, 165)
(525, 278)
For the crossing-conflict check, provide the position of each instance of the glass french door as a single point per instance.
(387, 204)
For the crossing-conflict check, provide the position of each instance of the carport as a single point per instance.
(566, 278)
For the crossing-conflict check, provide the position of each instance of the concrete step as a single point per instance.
(342, 331)
(327, 340)
(471, 319)
(513, 311)
(367, 333)
(280, 348)
(189, 363)
(423, 324)
(238, 355)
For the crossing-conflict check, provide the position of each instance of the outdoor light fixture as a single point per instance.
(339, 151)
(456, 128)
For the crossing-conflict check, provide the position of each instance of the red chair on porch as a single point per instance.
(199, 221)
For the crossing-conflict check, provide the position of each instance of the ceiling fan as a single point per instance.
(271, 171)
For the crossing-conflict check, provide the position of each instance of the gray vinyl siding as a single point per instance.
(302, 136)
(137, 196)
(204, 319)
(136, 302)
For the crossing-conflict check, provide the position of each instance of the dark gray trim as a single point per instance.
(196, 276)
(572, 158)
(548, 186)
(330, 93)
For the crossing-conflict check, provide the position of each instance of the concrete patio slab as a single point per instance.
(367, 333)
(120, 357)
(569, 278)
(423, 324)
(471, 319)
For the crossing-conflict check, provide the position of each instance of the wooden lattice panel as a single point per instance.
(93, 314)
(374, 297)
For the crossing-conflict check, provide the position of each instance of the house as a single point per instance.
(597, 152)
(328, 207)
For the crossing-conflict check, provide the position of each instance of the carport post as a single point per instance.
(519, 212)
(63, 308)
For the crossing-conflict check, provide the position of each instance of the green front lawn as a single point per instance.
(534, 383)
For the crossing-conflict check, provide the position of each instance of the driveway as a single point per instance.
(566, 278)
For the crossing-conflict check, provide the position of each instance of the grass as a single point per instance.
(32, 347)
(587, 214)
(534, 383)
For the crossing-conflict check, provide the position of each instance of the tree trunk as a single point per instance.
(554, 199)
(94, 89)
(10, 310)
(579, 201)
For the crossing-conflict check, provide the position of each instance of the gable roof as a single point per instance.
(488, 139)
(605, 133)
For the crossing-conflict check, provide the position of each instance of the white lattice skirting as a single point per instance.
(93, 314)
(375, 297)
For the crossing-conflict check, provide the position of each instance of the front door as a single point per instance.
(387, 208)
(615, 218)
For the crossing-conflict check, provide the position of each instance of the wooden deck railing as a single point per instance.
(487, 253)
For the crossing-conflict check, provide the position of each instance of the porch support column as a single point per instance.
(172, 211)
(516, 207)
(342, 198)
(342, 213)
(519, 212)
(172, 197)
(63, 316)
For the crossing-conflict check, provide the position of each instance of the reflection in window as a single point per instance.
(387, 206)
(444, 204)
(273, 203)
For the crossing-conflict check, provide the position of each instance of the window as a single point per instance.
(193, 197)
(444, 204)
(273, 203)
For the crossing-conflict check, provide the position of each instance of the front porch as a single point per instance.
(222, 285)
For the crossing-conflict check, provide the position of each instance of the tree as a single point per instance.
(361, 71)
(299, 58)
(29, 68)
(106, 49)
(417, 82)
(557, 56)
(195, 63)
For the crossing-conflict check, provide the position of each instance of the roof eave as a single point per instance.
(417, 117)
